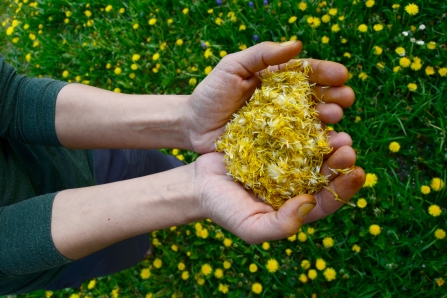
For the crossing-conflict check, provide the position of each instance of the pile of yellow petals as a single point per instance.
(275, 144)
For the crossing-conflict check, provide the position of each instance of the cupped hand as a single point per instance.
(235, 78)
(239, 211)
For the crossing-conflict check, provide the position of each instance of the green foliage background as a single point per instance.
(406, 259)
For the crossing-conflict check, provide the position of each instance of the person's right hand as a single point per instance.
(239, 211)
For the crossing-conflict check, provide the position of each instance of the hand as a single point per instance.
(239, 211)
(236, 77)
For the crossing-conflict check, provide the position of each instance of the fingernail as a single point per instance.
(305, 208)
(288, 43)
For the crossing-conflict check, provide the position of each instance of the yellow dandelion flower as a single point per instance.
(179, 42)
(380, 65)
(328, 242)
(265, 246)
(181, 266)
(242, 47)
(303, 278)
(152, 21)
(377, 50)
(361, 203)
(417, 64)
(320, 264)
(412, 9)
(302, 237)
(145, 273)
(288, 251)
(400, 51)
(310, 230)
(157, 263)
(222, 53)
(292, 19)
(227, 242)
(434, 210)
(375, 230)
(335, 28)
(208, 69)
(326, 18)
(357, 119)
(371, 180)
(314, 22)
(305, 264)
(396, 68)
(118, 71)
(88, 13)
(396, 6)
(333, 11)
(440, 234)
(242, 27)
(174, 247)
(219, 21)
(292, 238)
(253, 268)
(442, 71)
(412, 87)
(206, 269)
(272, 265)
(219, 273)
(134, 66)
(185, 275)
(431, 45)
(256, 288)
(378, 27)
(185, 10)
(200, 281)
(10, 31)
(48, 294)
(108, 8)
(429, 70)
(136, 57)
(312, 274)
(155, 57)
(32, 36)
(347, 55)
(394, 147)
(440, 281)
(362, 28)
(363, 76)
(65, 73)
(302, 6)
(223, 288)
(330, 274)
(227, 264)
(325, 39)
(425, 189)
(437, 184)
(91, 284)
(356, 248)
(369, 3)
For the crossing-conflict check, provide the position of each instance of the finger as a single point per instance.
(343, 96)
(325, 73)
(343, 158)
(338, 140)
(329, 113)
(345, 186)
(278, 224)
(254, 59)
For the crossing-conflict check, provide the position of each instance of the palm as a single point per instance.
(242, 213)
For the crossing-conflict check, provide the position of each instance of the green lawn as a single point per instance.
(396, 54)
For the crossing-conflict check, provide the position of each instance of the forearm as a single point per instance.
(88, 219)
(89, 117)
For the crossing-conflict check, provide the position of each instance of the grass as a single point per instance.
(405, 259)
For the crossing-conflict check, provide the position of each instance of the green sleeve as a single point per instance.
(26, 245)
(27, 107)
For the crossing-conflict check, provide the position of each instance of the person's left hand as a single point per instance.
(235, 78)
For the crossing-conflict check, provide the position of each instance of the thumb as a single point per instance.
(282, 223)
(259, 57)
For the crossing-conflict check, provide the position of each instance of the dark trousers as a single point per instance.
(113, 165)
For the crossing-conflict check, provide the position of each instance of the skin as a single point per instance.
(85, 220)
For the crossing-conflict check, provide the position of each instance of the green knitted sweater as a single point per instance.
(33, 168)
